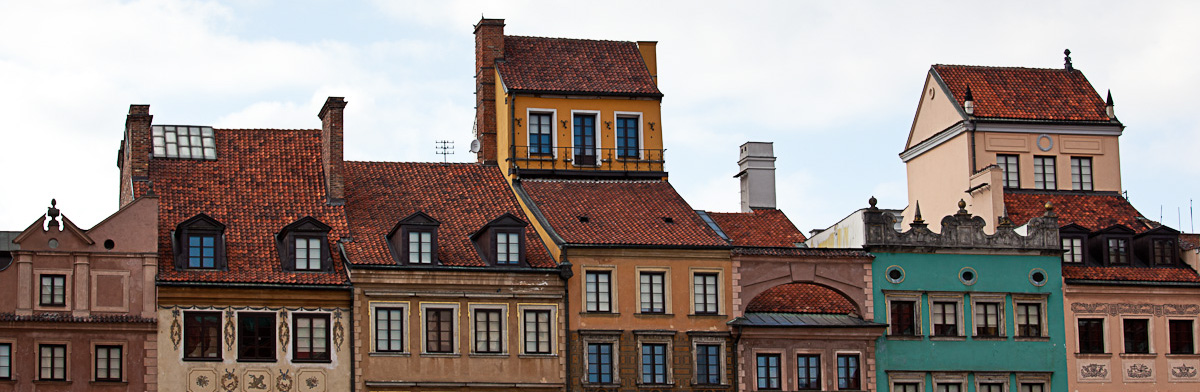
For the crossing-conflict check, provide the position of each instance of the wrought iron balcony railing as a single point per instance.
(588, 159)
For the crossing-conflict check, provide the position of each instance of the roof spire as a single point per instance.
(1108, 106)
(969, 102)
(1067, 62)
(917, 222)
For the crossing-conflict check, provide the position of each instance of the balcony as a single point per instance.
(562, 162)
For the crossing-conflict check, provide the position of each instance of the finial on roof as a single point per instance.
(917, 216)
(1067, 63)
(52, 214)
(1049, 206)
(1108, 106)
(872, 201)
(969, 101)
(962, 205)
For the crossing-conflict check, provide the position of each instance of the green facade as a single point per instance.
(939, 274)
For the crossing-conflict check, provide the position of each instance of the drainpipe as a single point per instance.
(353, 380)
(512, 133)
(564, 272)
(737, 338)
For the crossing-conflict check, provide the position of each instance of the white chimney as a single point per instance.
(756, 172)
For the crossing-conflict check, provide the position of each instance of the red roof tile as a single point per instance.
(802, 298)
(463, 197)
(1189, 241)
(1094, 211)
(261, 181)
(1025, 93)
(826, 253)
(758, 228)
(1134, 274)
(619, 213)
(575, 65)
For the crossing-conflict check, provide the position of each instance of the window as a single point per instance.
(948, 387)
(54, 288)
(202, 251)
(600, 363)
(597, 288)
(654, 363)
(312, 337)
(1118, 251)
(202, 335)
(52, 359)
(199, 244)
(991, 387)
(987, 319)
(1181, 336)
(537, 331)
(848, 373)
(808, 371)
(907, 387)
(1012, 173)
(108, 363)
(1081, 174)
(1072, 249)
(1163, 252)
(1091, 336)
(420, 247)
(944, 316)
(508, 248)
(904, 318)
(256, 337)
(389, 329)
(704, 286)
(5, 361)
(1043, 173)
(1033, 387)
(1137, 336)
(585, 139)
(541, 133)
(308, 254)
(708, 364)
(172, 141)
(768, 371)
(627, 137)
(1029, 320)
(653, 299)
(488, 331)
(439, 330)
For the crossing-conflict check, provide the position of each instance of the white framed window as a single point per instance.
(489, 323)
(538, 328)
(585, 138)
(599, 296)
(439, 323)
(945, 315)
(988, 315)
(389, 326)
(904, 314)
(1044, 175)
(654, 290)
(628, 127)
(706, 291)
(1081, 173)
(541, 132)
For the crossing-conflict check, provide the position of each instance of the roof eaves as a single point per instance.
(658, 95)
(1143, 283)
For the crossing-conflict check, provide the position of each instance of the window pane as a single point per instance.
(1182, 336)
(1137, 336)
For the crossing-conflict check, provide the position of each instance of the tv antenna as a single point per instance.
(444, 148)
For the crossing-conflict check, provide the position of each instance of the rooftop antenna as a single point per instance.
(444, 148)
(1191, 215)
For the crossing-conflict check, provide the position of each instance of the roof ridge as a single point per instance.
(266, 129)
(594, 181)
(1003, 67)
(569, 39)
(424, 163)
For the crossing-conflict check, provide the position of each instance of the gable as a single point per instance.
(936, 111)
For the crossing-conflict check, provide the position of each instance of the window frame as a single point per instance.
(638, 137)
(663, 292)
(1146, 335)
(120, 362)
(654, 377)
(6, 357)
(1044, 179)
(484, 239)
(596, 138)
(696, 292)
(313, 355)
(200, 225)
(999, 300)
(1174, 345)
(474, 319)
(309, 241)
(1013, 181)
(398, 241)
(553, 135)
(55, 302)
(551, 332)
(508, 233)
(759, 367)
(1077, 250)
(207, 328)
(453, 310)
(610, 295)
(700, 376)
(814, 380)
(207, 142)
(1168, 251)
(402, 308)
(1078, 178)
(242, 344)
(1120, 243)
(1019, 322)
(1091, 337)
(857, 377)
(942, 299)
(307, 228)
(911, 378)
(600, 363)
(66, 364)
(917, 322)
(588, 339)
(991, 378)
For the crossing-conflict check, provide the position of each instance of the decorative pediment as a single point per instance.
(961, 230)
(507, 220)
(419, 218)
(203, 222)
(305, 224)
(1163, 231)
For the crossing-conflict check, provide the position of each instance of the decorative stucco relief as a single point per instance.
(284, 382)
(284, 336)
(1093, 371)
(257, 380)
(1183, 370)
(176, 328)
(1138, 370)
(230, 328)
(339, 332)
(311, 380)
(202, 380)
(229, 381)
(1116, 309)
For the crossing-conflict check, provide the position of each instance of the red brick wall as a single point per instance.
(489, 45)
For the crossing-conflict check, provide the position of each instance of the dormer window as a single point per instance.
(1157, 247)
(1073, 238)
(1162, 251)
(1118, 251)
(502, 240)
(199, 243)
(304, 246)
(1113, 246)
(414, 239)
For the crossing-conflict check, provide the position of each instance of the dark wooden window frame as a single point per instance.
(306, 228)
(312, 355)
(903, 321)
(1029, 326)
(1049, 175)
(398, 242)
(439, 330)
(655, 363)
(55, 351)
(950, 320)
(1136, 333)
(763, 366)
(1013, 181)
(600, 362)
(624, 149)
(483, 320)
(120, 362)
(649, 288)
(200, 225)
(1091, 335)
(600, 305)
(702, 292)
(57, 281)
(708, 364)
(979, 324)
(383, 329)
(256, 339)
(200, 329)
(508, 234)
(1181, 334)
(6, 371)
(541, 143)
(535, 328)
(849, 371)
(484, 239)
(1079, 180)
(810, 378)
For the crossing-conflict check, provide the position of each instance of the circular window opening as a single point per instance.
(895, 274)
(967, 276)
(1037, 277)
(109, 244)
(53, 243)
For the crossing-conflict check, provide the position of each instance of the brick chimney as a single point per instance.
(489, 46)
(331, 149)
(134, 156)
(756, 172)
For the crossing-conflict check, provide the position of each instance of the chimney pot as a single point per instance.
(756, 171)
(134, 158)
(332, 132)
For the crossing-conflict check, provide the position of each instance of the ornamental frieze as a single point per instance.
(1117, 309)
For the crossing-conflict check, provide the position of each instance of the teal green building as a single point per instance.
(967, 311)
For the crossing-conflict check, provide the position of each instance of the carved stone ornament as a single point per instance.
(1139, 370)
(284, 382)
(1117, 309)
(229, 381)
(1094, 370)
(1183, 371)
(283, 330)
(176, 328)
(961, 230)
(339, 334)
(230, 329)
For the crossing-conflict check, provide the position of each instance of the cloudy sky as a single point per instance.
(833, 84)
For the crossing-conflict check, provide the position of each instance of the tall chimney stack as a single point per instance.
(756, 171)
(134, 157)
(331, 148)
(489, 46)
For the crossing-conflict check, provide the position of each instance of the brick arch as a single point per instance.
(801, 297)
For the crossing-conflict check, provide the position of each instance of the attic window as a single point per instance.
(502, 241)
(187, 142)
(200, 244)
(304, 246)
(583, 219)
(414, 239)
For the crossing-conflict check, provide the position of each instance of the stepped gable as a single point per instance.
(463, 197)
(563, 65)
(646, 213)
(759, 228)
(261, 181)
(801, 298)
(1092, 210)
(1025, 93)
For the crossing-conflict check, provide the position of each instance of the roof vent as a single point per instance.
(1067, 61)
(583, 219)
(668, 219)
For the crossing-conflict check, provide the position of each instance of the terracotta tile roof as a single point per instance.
(758, 228)
(1131, 274)
(1094, 211)
(1025, 93)
(464, 197)
(575, 65)
(619, 213)
(1189, 241)
(801, 298)
(261, 181)
(67, 318)
(803, 252)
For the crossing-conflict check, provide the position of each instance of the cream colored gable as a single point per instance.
(935, 112)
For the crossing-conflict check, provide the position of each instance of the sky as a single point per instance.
(834, 85)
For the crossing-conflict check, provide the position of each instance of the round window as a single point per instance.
(53, 243)
(1038, 277)
(109, 244)
(895, 274)
(967, 276)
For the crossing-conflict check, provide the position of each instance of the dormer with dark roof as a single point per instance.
(560, 107)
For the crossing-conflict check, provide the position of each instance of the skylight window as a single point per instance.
(187, 142)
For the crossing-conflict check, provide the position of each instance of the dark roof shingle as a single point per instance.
(1131, 274)
(1094, 211)
(801, 298)
(575, 66)
(769, 228)
(1025, 93)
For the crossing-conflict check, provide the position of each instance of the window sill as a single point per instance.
(718, 386)
(655, 385)
(441, 355)
(203, 359)
(990, 338)
(1093, 355)
(311, 361)
(257, 360)
(549, 355)
(1032, 339)
(1182, 356)
(388, 354)
(654, 315)
(713, 315)
(488, 355)
(597, 385)
(947, 338)
(608, 314)
(52, 382)
(905, 337)
(107, 382)
(1138, 355)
